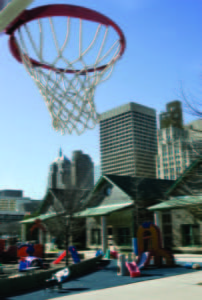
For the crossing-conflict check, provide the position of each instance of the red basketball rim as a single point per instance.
(60, 10)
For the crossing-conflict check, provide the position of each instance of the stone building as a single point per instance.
(117, 206)
(180, 218)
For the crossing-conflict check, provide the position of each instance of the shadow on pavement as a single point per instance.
(104, 276)
(73, 290)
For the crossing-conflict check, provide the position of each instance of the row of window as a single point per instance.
(173, 177)
(127, 126)
(116, 123)
(128, 158)
(114, 148)
(10, 217)
(130, 147)
(114, 164)
(122, 116)
(167, 163)
(122, 234)
(117, 139)
(147, 133)
(9, 205)
(129, 114)
(127, 119)
(121, 160)
(136, 141)
(117, 168)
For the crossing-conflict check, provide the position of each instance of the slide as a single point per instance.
(133, 269)
(75, 255)
(143, 260)
(58, 260)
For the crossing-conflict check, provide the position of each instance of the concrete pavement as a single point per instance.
(158, 284)
(176, 287)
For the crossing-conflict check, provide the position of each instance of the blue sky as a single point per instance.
(163, 50)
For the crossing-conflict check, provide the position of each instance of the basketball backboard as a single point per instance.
(10, 9)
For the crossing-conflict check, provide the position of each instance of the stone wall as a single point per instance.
(182, 217)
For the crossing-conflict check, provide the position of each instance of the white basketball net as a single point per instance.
(69, 97)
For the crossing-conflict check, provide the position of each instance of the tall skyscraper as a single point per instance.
(82, 170)
(178, 146)
(173, 152)
(66, 174)
(128, 141)
(173, 115)
(60, 173)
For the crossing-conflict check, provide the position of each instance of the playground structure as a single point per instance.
(29, 259)
(131, 266)
(38, 250)
(150, 248)
(150, 240)
(74, 254)
(13, 252)
(32, 255)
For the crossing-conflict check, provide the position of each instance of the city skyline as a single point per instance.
(163, 50)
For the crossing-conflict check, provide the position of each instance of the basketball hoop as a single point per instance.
(67, 84)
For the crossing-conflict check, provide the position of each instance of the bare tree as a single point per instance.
(68, 202)
(192, 102)
(145, 192)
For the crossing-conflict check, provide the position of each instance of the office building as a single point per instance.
(128, 141)
(178, 146)
(173, 115)
(13, 207)
(82, 170)
(173, 152)
(75, 173)
(59, 176)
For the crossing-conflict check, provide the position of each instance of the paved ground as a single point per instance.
(177, 287)
(106, 283)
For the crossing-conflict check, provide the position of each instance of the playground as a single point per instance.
(46, 278)
(106, 277)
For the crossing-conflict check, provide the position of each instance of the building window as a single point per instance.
(109, 231)
(12, 205)
(124, 237)
(95, 237)
(168, 242)
(166, 218)
(190, 235)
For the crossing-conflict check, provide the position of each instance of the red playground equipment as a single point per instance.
(133, 269)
